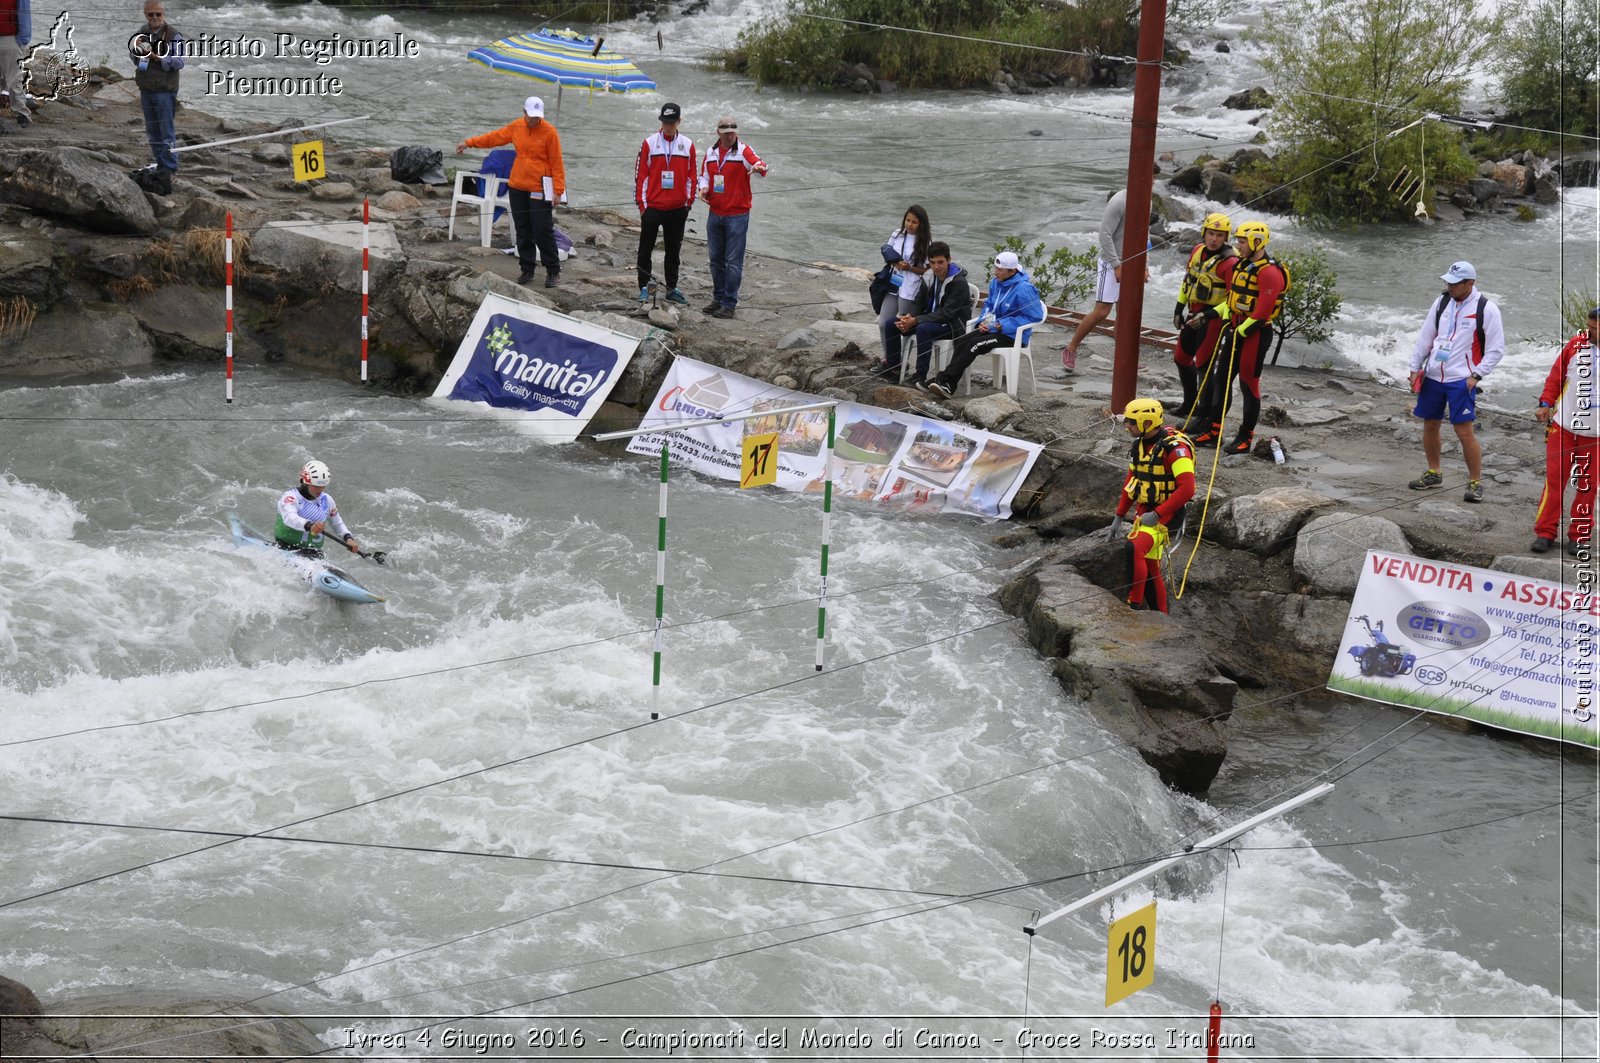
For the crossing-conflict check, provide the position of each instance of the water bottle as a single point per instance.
(1277, 450)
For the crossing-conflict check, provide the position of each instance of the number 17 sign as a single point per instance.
(1131, 954)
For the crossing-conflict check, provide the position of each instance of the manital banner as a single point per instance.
(896, 459)
(546, 372)
(1500, 649)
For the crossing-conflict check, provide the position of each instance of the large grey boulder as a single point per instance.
(1329, 550)
(78, 185)
(1145, 676)
(993, 412)
(326, 255)
(78, 338)
(28, 267)
(1267, 522)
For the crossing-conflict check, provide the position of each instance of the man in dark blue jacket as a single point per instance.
(1012, 302)
(944, 306)
(16, 30)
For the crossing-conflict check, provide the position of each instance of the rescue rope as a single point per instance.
(1216, 459)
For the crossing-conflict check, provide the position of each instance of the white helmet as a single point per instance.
(316, 474)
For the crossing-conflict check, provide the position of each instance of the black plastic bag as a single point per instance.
(413, 165)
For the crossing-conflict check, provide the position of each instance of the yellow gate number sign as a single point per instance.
(309, 162)
(1131, 954)
(760, 462)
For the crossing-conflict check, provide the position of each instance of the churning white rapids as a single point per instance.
(455, 804)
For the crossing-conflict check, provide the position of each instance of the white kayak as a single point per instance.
(321, 574)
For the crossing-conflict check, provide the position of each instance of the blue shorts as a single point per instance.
(1434, 397)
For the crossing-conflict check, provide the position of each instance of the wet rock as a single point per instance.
(1307, 416)
(274, 153)
(1329, 550)
(28, 267)
(1145, 676)
(1266, 523)
(334, 190)
(1471, 518)
(800, 337)
(1514, 179)
(1219, 187)
(888, 87)
(993, 412)
(78, 185)
(1222, 46)
(1254, 98)
(78, 338)
(1483, 190)
(663, 317)
(1187, 179)
(397, 201)
(1547, 189)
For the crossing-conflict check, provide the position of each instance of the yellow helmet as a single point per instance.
(1144, 413)
(1219, 222)
(1255, 233)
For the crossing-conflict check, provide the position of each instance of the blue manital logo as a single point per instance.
(523, 366)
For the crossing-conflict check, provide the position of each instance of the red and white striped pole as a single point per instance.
(227, 278)
(366, 245)
(1214, 1032)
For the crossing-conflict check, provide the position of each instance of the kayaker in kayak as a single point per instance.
(305, 512)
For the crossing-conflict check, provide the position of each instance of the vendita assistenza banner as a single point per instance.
(1500, 649)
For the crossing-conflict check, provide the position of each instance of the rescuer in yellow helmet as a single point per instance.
(1255, 299)
(1158, 486)
(1202, 308)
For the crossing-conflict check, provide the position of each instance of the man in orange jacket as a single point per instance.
(538, 180)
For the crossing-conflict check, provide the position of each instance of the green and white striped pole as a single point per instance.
(661, 586)
(827, 524)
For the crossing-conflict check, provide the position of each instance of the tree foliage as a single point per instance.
(1312, 302)
(806, 44)
(1064, 277)
(1348, 74)
(1548, 67)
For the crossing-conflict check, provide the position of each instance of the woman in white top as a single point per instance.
(906, 253)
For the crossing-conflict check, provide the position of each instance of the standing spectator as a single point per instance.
(538, 180)
(157, 54)
(1461, 342)
(725, 186)
(16, 30)
(1255, 299)
(1202, 307)
(664, 187)
(1012, 302)
(1108, 282)
(905, 255)
(1567, 408)
(943, 307)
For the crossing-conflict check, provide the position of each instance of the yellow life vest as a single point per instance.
(1152, 479)
(1247, 285)
(1203, 283)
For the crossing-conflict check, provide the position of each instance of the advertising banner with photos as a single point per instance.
(902, 460)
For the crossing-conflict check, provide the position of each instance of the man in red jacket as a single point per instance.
(725, 186)
(664, 187)
(538, 180)
(1569, 409)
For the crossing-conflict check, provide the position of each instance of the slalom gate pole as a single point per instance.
(827, 525)
(366, 249)
(1214, 1032)
(661, 586)
(227, 297)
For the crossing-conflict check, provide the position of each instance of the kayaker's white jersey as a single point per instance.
(299, 512)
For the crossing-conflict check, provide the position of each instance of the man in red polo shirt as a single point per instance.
(725, 186)
(664, 187)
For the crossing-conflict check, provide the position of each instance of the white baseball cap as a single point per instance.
(1007, 260)
(1458, 272)
(533, 107)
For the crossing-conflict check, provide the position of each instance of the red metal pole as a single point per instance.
(227, 299)
(366, 244)
(1214, 1032)
(1136, 229)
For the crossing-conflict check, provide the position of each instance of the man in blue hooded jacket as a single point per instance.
(1012, 302)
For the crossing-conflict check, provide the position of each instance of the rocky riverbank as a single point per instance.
(98, 276)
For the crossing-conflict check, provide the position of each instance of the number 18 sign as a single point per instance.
(1131, 954)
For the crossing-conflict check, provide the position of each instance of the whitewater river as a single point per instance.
(458, 805)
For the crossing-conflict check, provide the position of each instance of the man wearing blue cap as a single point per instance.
(1461, 342)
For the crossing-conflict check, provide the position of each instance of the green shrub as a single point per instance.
(1313, 300)
(1064, 277)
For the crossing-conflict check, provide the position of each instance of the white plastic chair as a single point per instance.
(495, 194)
(1008, 360)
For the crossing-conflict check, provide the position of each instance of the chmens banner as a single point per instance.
(1494, 647)
(546, 371)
